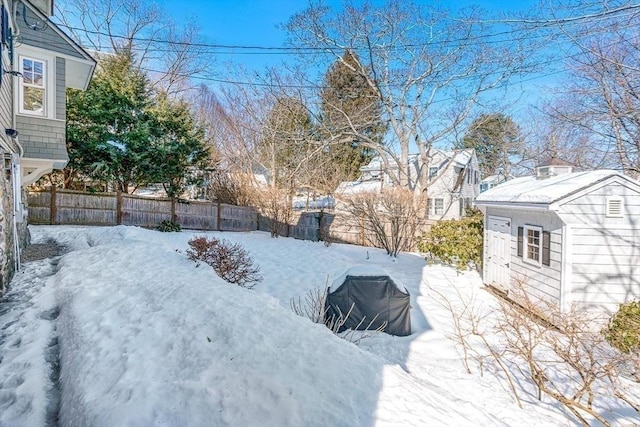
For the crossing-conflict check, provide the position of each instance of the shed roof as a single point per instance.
(529, 190)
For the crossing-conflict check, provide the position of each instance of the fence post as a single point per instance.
(119, 207)
(53, 208)
(219, 216)
(174, 217)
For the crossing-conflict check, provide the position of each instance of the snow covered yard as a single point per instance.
(142, 337)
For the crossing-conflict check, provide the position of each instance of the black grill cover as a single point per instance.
(370, 296)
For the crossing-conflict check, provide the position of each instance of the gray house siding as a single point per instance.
(47, 38)
(605, 267)
(6, 106)
(42, 138)
(540, 282)
(61, 85)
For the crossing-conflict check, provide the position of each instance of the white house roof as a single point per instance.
(529, 190)
(355, 187)
(494, 179)
(461, 157)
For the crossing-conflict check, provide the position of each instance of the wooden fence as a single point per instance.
(67, 207)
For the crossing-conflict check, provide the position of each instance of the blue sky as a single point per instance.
(255, 22)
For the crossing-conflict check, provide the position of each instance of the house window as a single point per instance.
(438, 206)
(476, 178)
(534, 245)
(433, 172)
(469, 172)
(614, 207)
(33, 88)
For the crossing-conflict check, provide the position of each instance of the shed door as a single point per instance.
(498, 252)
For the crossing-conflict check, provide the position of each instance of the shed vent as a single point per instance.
(614, 207)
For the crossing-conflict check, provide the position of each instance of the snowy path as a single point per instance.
(29, 353)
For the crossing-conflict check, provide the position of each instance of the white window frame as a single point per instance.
(526, 244)
(433, 171)
(437, 211)
(48, 62)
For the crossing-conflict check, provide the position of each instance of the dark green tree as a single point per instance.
(108, 125)
(350, 111)
(496, 139)
(119, 131)
(177, 148)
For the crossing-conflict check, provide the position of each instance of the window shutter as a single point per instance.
(546, 248)
(520, 233)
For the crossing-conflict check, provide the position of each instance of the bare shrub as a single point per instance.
(471, 332)
(567, 360)
(563, 355)
(390, 218)
(231, 188)
(277, 206)
(229, 260)
(313, 307)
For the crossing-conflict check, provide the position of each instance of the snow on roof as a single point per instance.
(461, 157)
(355, 187)
(492, 179)
(543, 191)
(366, 271)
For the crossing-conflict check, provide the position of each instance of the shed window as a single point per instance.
(614, 207)
(534, 245)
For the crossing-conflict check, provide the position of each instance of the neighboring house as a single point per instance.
(453, 181)
(39, 62)
(491, 181)
(571, 239)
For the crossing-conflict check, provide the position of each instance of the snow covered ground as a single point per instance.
(125, 330)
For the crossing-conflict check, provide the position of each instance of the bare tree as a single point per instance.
(601, 98)
(171, 55)
(390, 219)
(426, 68)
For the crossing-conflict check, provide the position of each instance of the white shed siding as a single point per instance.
(540, 282)
(605, 267)
(590, 208)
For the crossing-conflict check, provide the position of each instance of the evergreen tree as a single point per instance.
(176, 145)
(350, 112)
(496, 138)
(118, 131)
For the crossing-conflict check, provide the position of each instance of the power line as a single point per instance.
(282, 50)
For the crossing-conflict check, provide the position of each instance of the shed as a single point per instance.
(372, 298)
(569, 238)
